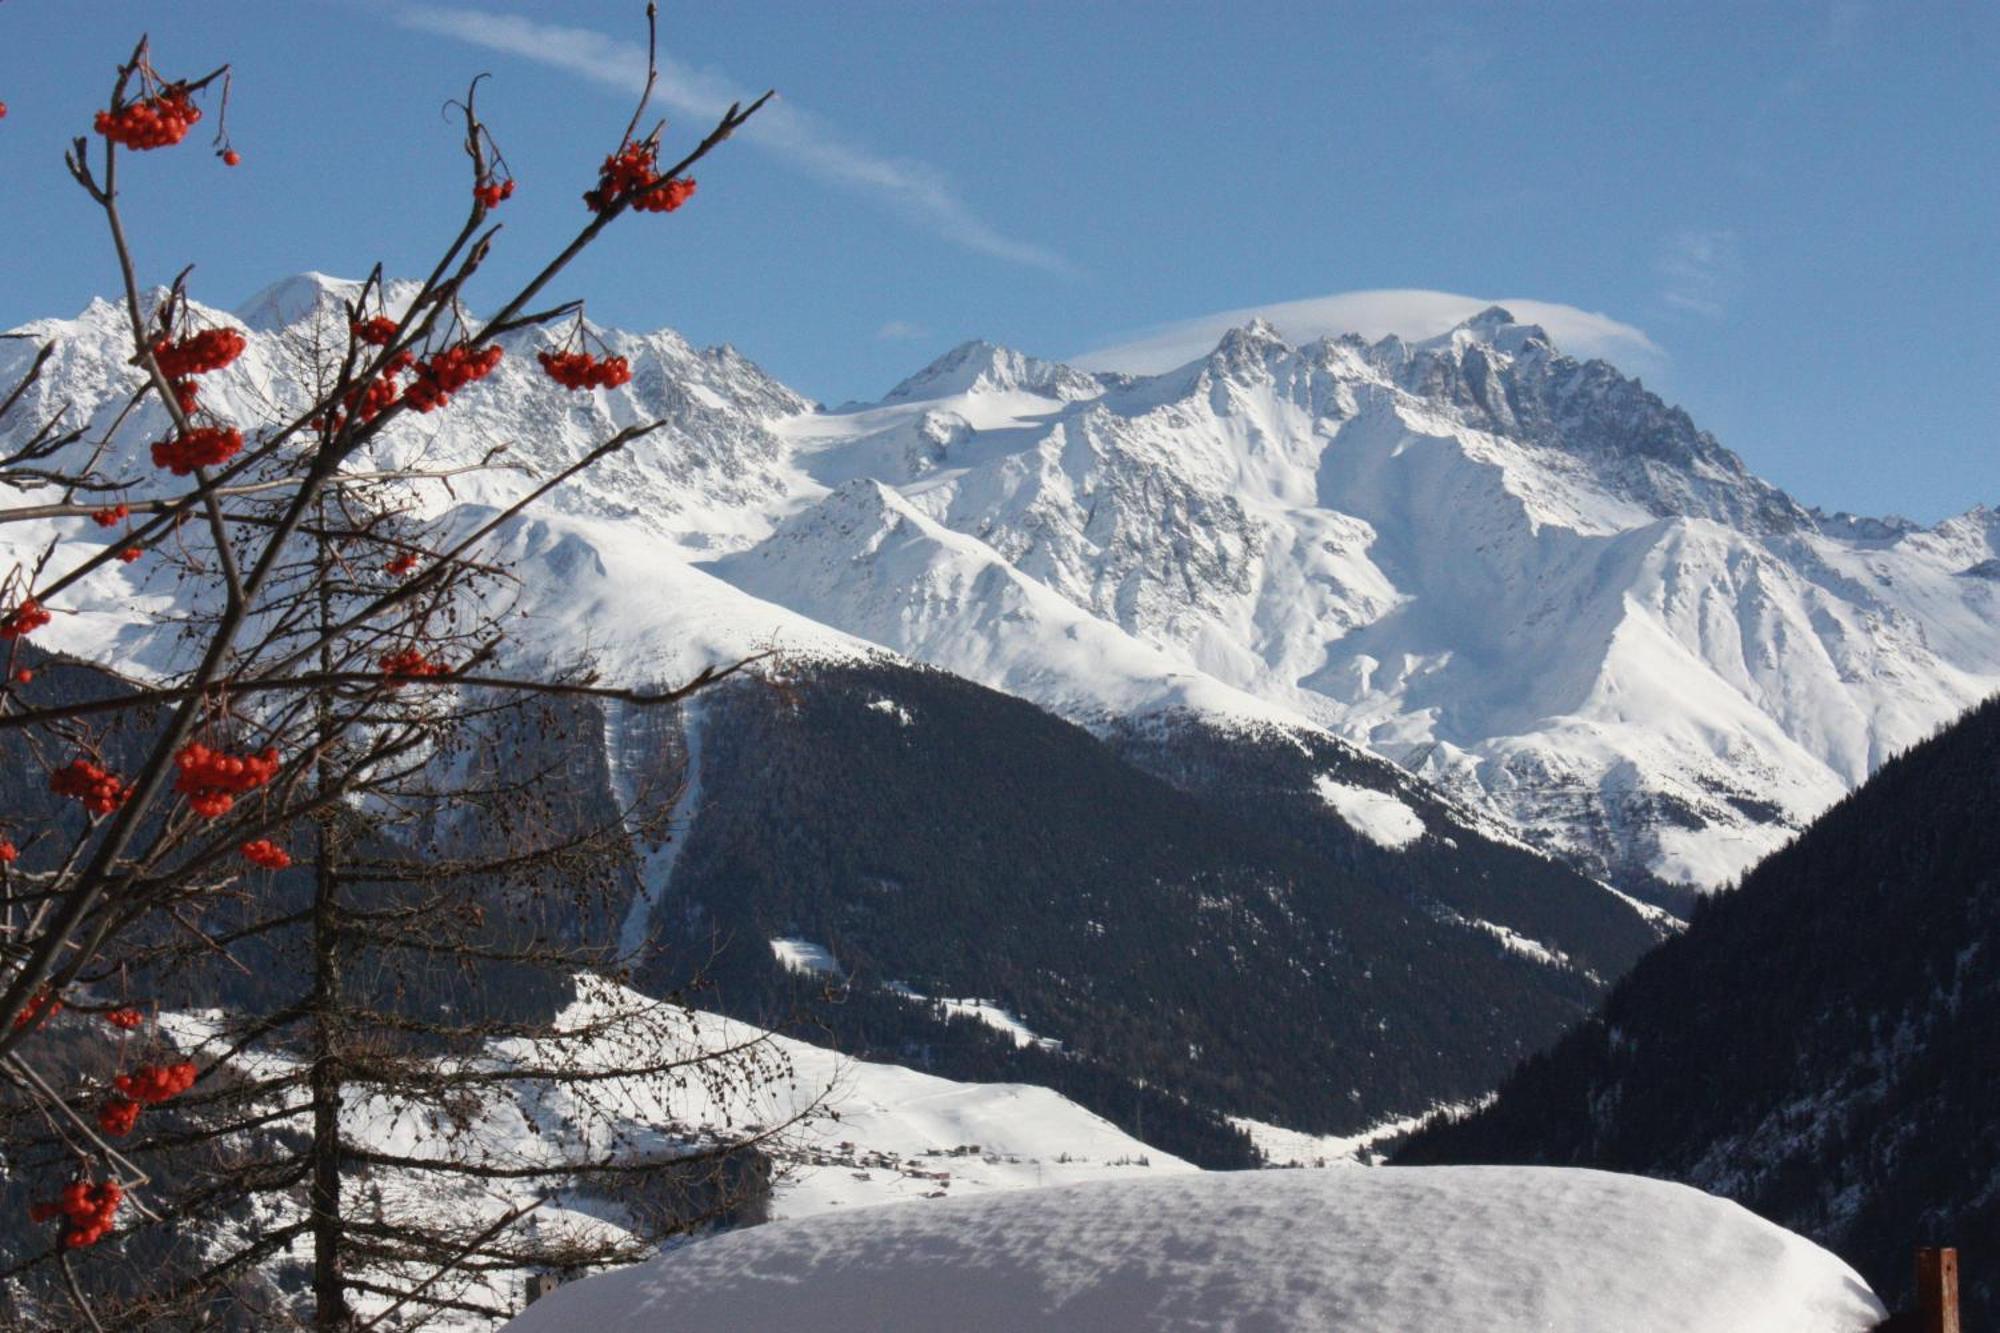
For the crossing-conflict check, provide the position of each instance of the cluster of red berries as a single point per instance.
(159, 121)
(117, 1116)
(9, 853)
(198, 353)
(26, 618)
(635, 169)
(148, 1085)
(489, 196)
(212, 780)
(367, 401)
(263, 852)
(581, 370)
(87, 1211)
(204, 446)
(100, 790)
(411, 663)
(42, 1004)
(376, 332)
(127, 1018)
(448, 372)
(153, 1084)
(402, 564)
(668, 197)
(111, 517)
(630, 168)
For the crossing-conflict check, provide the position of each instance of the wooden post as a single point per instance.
(1937, 1290)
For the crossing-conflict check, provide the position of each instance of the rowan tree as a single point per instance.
(326, 872)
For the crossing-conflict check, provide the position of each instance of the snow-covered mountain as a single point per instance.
(1523, 577)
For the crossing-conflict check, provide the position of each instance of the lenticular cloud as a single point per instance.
(1410, 313)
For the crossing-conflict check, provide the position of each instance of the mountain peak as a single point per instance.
(1258, 333)
(1249, 345)
(979, 366)
(1496, 327)
(289, 300)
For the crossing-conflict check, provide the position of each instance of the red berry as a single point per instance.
(118, 1115)
(231, 158)
(265, 853)
(198, 353)
(448, 372)
(204, 446)
(99, 790)
(159, 121)
(87, 1210)
(26, 618)
(410, 663)
(212, 780)
(41, 1005)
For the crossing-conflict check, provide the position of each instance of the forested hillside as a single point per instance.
(938, 839)
(1821, 1044)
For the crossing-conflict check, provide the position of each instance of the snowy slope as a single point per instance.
(1454, 1250)
(865, 1133)
(868, 561)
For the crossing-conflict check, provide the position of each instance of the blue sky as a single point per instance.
(1785, 214)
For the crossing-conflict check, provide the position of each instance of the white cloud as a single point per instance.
(915, 189)
(1699, 271)
(901, 330)
(1407, 313)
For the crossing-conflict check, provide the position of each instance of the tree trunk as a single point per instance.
(329, 1285)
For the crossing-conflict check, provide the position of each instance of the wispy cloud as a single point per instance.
(915, 189)
(901, 330)
(1407, 313)
(1699, 271)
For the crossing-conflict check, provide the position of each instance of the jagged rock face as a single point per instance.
(1524, 577)
(1509, 380)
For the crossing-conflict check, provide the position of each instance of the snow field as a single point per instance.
(1439, 1249)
